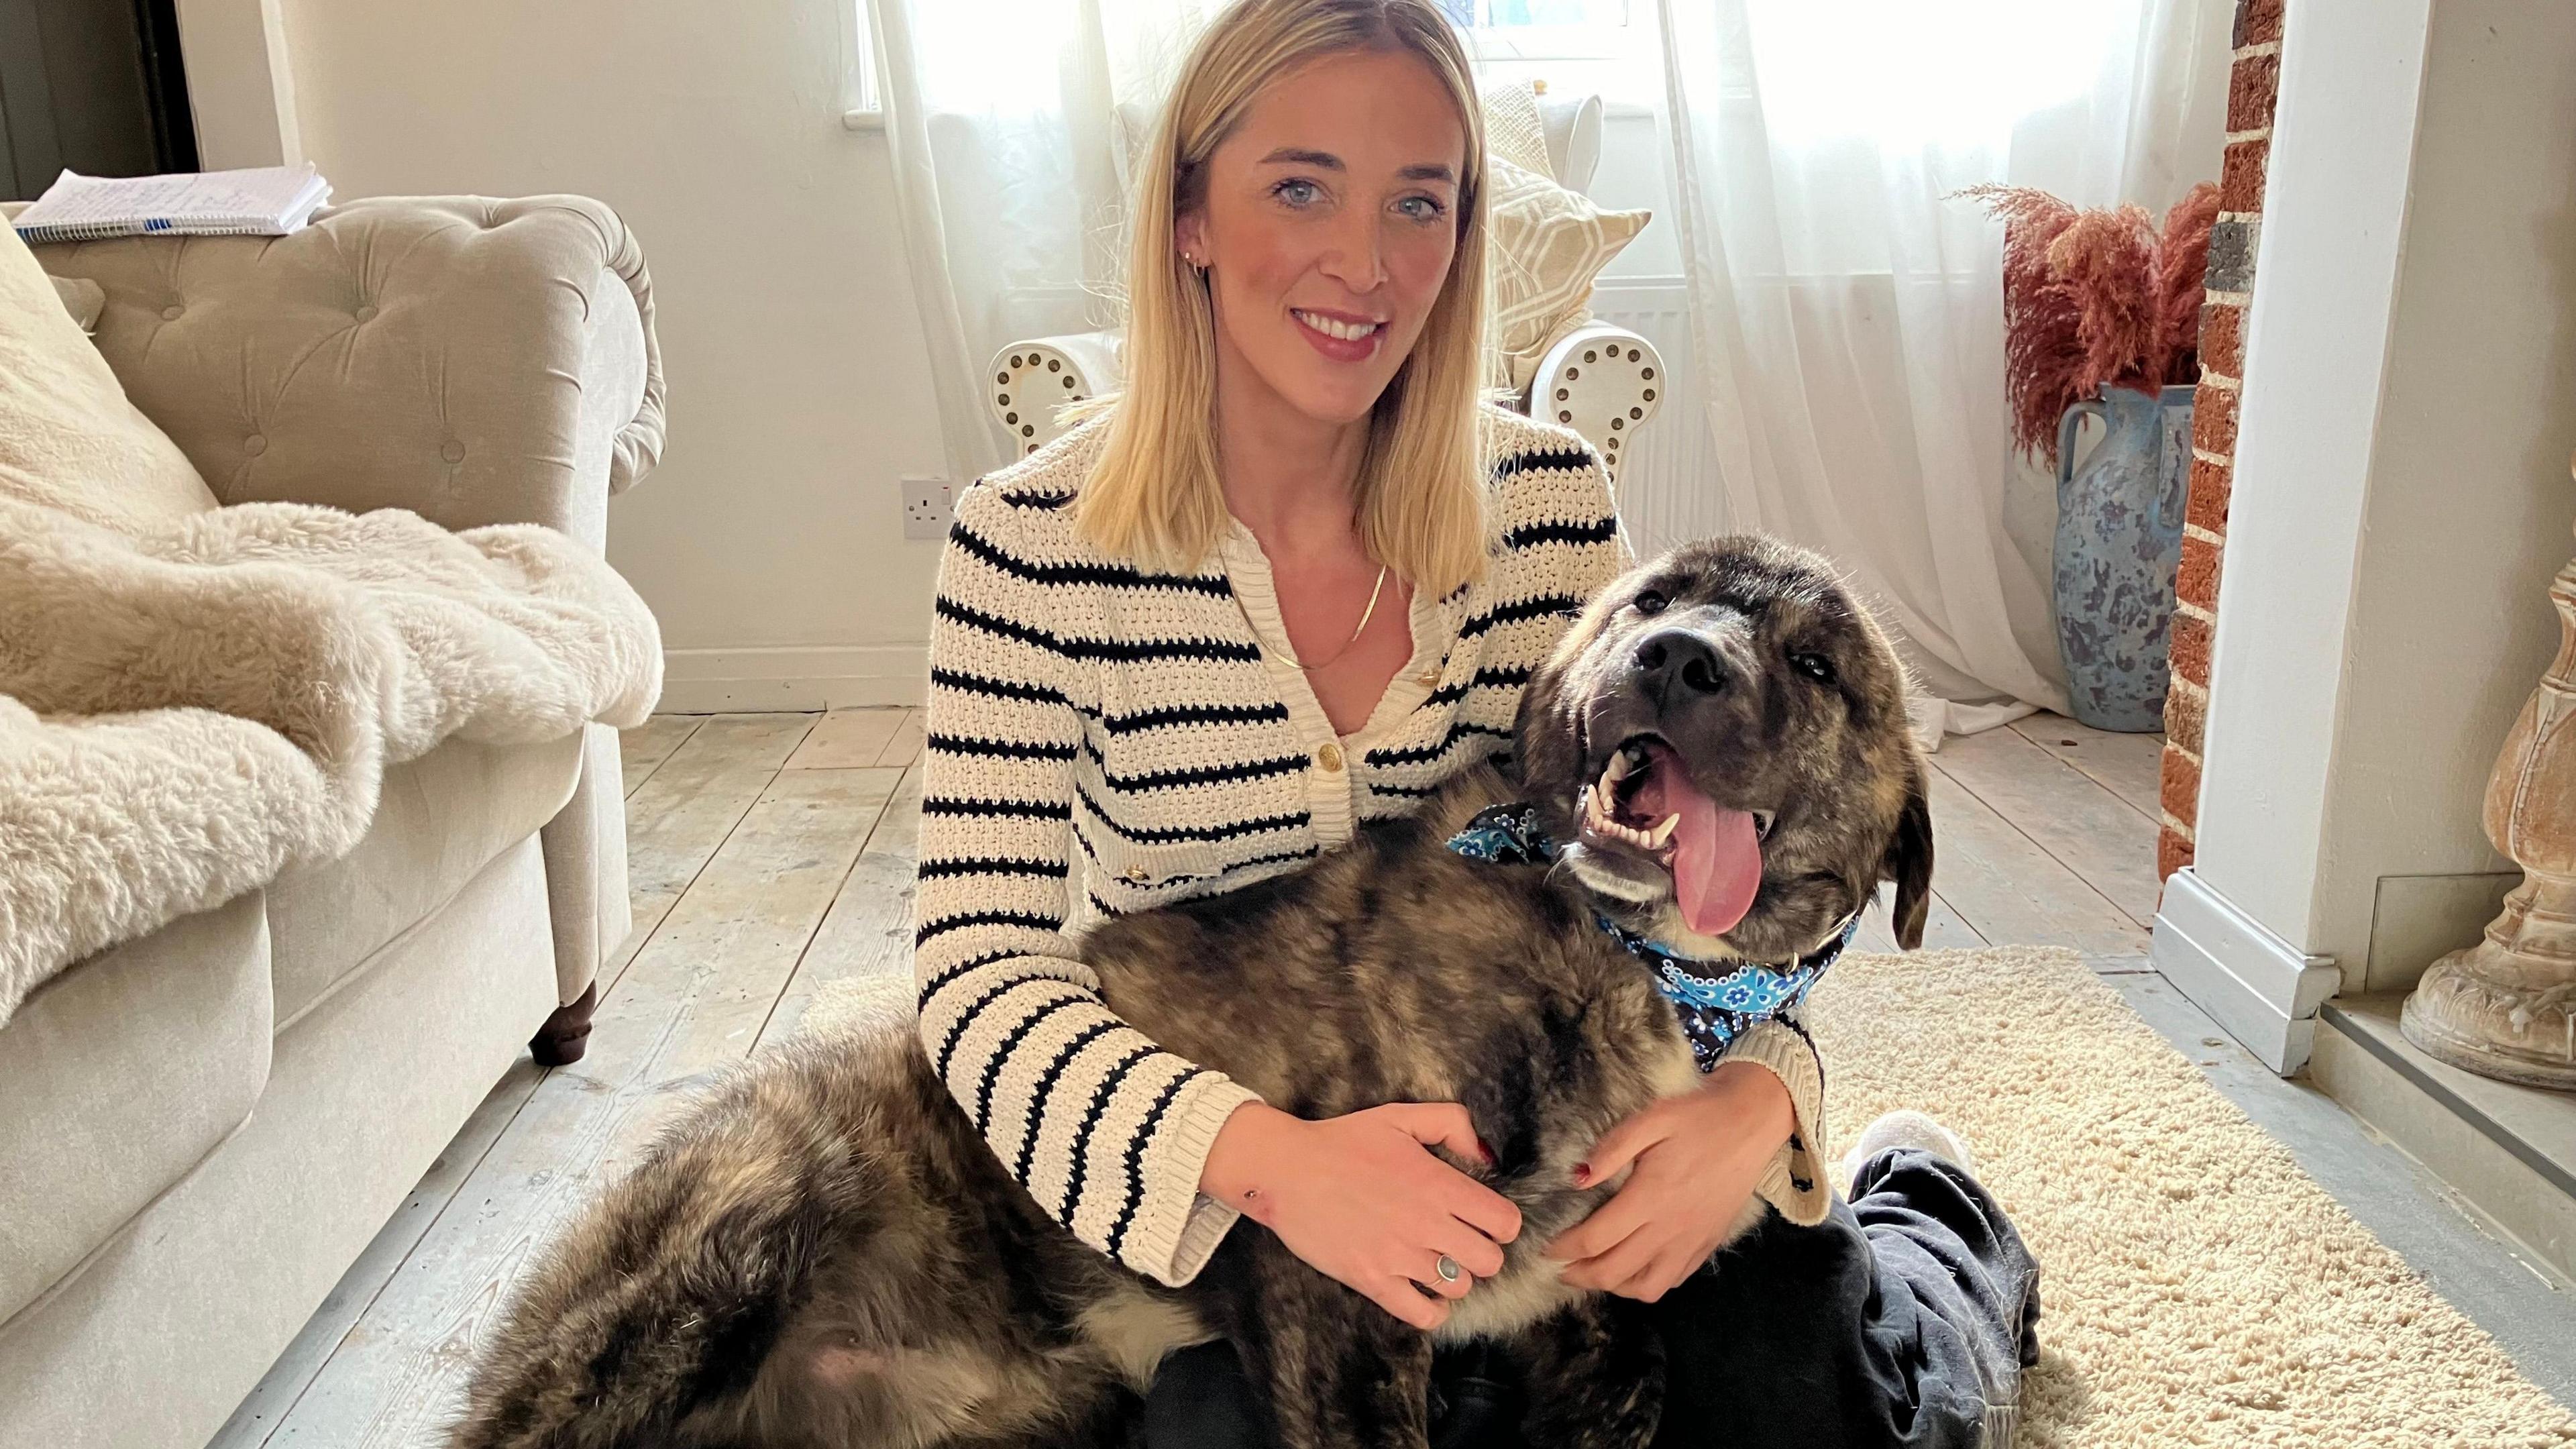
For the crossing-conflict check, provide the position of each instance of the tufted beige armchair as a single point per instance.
(206, 1126)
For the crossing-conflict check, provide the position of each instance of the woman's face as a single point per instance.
(1327, 230)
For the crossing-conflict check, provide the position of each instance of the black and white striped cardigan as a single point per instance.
(1104, 739)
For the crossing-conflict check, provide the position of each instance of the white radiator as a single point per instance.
(1668, 490)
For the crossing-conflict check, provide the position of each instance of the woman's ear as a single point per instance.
(1909, 859)
(1189, 237)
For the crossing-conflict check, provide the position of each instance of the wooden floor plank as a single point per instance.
(868, 931)
(642, 749)
(693, 1001)
(2013, 892)
(2070, 814)
(904, 746)
(849, 739)
(675, 822)
(2126, 765)
(1943, 930)
(257, 1419)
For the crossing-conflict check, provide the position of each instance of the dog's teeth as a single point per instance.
(1762, 823)
(1618, 768)
(1662, 832)
(1592, 808)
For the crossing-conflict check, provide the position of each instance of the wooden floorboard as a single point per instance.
(848, 739)
(693, 1001)
(642, 749)
(2009, 888)
(904, 745)
(771, 855)
(679, 818)
(868, 930)
(2126, 765)
(1943, 930)
(2070, 814)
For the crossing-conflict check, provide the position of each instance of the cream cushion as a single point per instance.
(1513, 129)
(68, 436)
(1547, 246)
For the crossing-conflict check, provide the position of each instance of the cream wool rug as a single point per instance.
(2197, 1287)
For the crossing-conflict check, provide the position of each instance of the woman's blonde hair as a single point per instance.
(1153, 495)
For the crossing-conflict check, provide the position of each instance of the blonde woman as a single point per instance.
(1289, 581)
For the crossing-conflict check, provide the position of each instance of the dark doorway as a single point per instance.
(93, 85)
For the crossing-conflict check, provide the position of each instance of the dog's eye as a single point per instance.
(1815, 666)
(1650, 602)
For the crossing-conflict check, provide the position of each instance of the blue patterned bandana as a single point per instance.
(1714, 1010)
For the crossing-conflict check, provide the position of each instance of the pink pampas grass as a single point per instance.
(2095, 299)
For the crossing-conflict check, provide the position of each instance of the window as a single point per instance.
(1545, 29)
(866, 105)
(1498, 14)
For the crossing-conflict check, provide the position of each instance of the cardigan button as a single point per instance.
(1137, 874)
(1427, 678)
(1330, 757)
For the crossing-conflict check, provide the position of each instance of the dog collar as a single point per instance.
(1716, 1000)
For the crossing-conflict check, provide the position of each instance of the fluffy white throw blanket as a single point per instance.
(191, 707)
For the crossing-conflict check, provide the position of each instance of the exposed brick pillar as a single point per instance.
(2230, 288)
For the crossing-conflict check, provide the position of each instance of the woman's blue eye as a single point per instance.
(1298, 193)
(1421, 208)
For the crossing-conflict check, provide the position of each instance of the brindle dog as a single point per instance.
(825, 1255)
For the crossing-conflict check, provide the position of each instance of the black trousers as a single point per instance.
(1904, 1320)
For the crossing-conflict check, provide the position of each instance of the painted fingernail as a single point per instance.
(1487, 1152)
(1582, 1173)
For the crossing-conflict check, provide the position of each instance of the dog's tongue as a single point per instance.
(1717, 853)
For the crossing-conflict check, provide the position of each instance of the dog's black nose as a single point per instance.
(1676, 658)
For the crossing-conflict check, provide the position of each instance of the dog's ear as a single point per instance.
(1909, 859)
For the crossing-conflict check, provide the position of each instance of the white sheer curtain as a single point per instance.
(998, 115)
(1847, 317)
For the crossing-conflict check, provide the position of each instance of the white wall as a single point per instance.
(2401, 480)
(2470, 503)
(769, 541)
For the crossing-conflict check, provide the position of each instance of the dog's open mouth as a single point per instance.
(1645, 805)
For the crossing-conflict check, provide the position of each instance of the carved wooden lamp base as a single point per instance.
(2506, 1007)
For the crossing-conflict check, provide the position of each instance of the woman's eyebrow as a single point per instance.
(1294, 156)
(1327, 161)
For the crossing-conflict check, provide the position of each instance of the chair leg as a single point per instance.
(566, 1034)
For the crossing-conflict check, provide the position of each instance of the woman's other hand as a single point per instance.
(1361, 1199)
(1697, 1159)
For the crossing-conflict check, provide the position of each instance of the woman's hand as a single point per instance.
(1697, 1157)
(1361, 1199)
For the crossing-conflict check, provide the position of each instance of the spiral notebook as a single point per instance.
(263, 201)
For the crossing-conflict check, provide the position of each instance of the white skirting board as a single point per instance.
(2261, 988)
(726, 681)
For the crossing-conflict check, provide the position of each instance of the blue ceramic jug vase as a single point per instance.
(2119, 541)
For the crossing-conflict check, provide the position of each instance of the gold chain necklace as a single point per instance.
(1365, 615)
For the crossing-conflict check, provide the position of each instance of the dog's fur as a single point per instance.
(824, 1253)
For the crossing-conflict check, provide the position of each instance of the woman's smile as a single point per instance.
(1341, 336)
